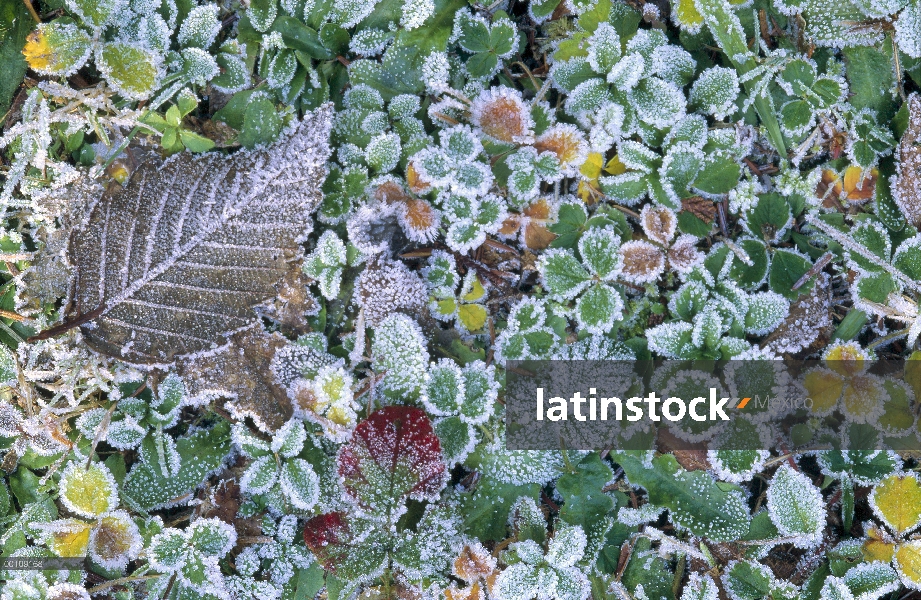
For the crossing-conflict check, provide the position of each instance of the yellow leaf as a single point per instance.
(908, 563)
(615, 167)
(824, 388)
(472, 316)
(687, 15)
(897, 501)
(591, 168)
(88, 492)
(847, 359)
(878, 550)
(70, 537)
(56, 48)
(861, 396)
(476, 291)
(447, 307)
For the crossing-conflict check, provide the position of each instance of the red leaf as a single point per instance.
(352, 549)
(326, 536)
(393, 455)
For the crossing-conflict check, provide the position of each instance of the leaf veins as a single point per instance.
(173, 264)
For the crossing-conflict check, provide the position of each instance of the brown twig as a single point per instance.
(65, 327)
(31, 10)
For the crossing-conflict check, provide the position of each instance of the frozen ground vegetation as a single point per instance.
(263, 264)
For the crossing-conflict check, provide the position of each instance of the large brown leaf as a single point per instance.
(173, 264)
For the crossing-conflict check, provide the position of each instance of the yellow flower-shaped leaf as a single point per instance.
(896, 500)
(846, 359)
(88, 492)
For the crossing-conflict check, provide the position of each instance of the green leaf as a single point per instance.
(599, 308)
(482, 64)
(195, 142)
(796, 116)
(695, 501)
(746, 580)
(650, 571)
(584, 503)
(543, 8)
(262, 14)
(770, 217)
(15, 23)
(796, 506)
(199, 454)
(570, 223)
(563, 276)
(335, 39)
(261, 124)
(787, 267)
(133, 71)
(907, 258)
(298, 36)
(871, 79)
(719, 176)
(486, 509)
(474, 35)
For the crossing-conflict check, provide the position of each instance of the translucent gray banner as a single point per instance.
(672, 405)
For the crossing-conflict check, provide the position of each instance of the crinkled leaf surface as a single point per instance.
(174, 262)
(392, 456)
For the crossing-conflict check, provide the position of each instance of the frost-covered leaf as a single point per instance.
(348, 548)
(715, 91)
(393, 455)
(133, 71)
(399, 350)
(57, 48)
(115, 540)
(907, 562)
(906, 186)
(96, 14)
(796, 507)
(242, 374)
(88, 492)
(300, 483)
(150, 484)
(563, 276)
(259, 476)
(897, 501)
(695, 501)
(200, 27)
(222, 228)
